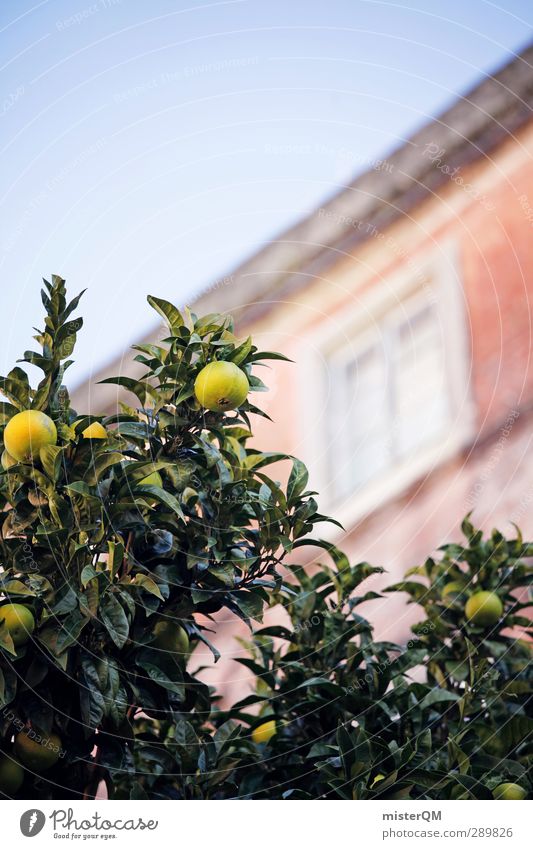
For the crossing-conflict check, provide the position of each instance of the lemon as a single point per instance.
(19, 622)
(27, 432)
(453, 587)
(263, 733)
(95, 431)
(484, 608)
(171, 637)
(37, 751)
(11, 776)
(509, 791)
(221, 386)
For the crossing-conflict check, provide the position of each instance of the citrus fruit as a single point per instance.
(153, 479)
(484, 608)
(171, 637)
(509, 791)
(264, 732)
(37, 751)
(19, 622)
(221, 386)
(452, 587)
(11, 776)
(94, 431)
(8, 461)
(27, 432)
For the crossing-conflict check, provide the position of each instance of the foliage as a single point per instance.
(101, 556)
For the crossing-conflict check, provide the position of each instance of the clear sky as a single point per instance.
(147, 147)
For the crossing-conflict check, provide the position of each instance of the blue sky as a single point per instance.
(148, 147)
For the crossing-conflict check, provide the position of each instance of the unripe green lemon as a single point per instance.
(19, 622)
(509, 791)
(11, 776)
(37, 751)
(171, 637)
(8, 461)
(95, 431)
(453, 587)
(221, 386)
(484, 608)
(27, 432)
(263, 733)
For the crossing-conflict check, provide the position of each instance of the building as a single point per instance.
(405, 303)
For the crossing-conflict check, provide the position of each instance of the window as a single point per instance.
(390, 396)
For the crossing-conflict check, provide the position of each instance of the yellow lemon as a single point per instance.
(95, 431)
(221, 386)
(11, 776)
(484, 608)
(37, 751)
(263, 733)
(509, 791)
(19, 622)
(27, 432)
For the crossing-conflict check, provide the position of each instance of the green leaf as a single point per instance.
(50, 456)
(147, 584)
(71, 630)
(82, 489)
(163, 671)
(249, 603)
(475, 787)
(239, 354)
(436, 696)
(116, 557)
(92, 701)
(7, 411)
(161, 495)
(87, 574)
(329, 686)
(15, 587)
(8, 687)
(185, 735)
(269, 355)
(141, 389)
(168, 311)
(206, 641)
(101, 463)
(114, 619)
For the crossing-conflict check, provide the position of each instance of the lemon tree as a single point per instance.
(117, 532)
(123, 536)
(477, 639)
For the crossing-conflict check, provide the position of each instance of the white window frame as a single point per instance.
(437, 277)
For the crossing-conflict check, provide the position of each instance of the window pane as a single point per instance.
(421, 409)
(368, 417)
